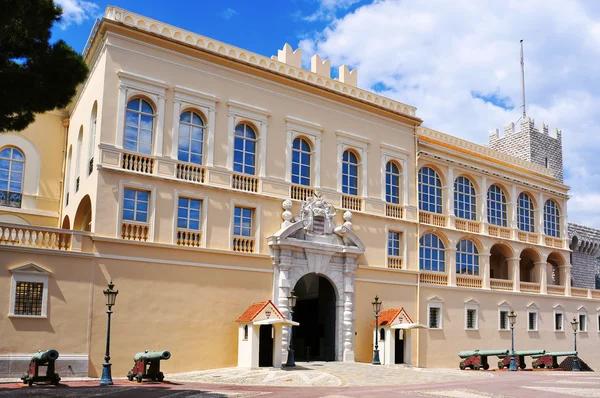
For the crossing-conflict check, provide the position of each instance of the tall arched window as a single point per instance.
(78, 158)
(525, 211)
(430, 191)
(496, 206)
(191, 137)
(139, 126)
(392, 183)
(92, 137)
(349, 173)
(68, 175)
(467, 258)
(431, 253)
(464, 199)
(551, 219)
(244, 152)
(301, 162)
(12, 165)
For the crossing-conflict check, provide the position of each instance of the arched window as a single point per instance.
(191, 137)
(431, 253)
(68, 175)
(139, 126)
(467, 258)
(349, 173)
(12, 165)
(92, 137)
(244, 152)
(430, 190)
(78, 158)
(496, 206)
(525, 212)
(551, 219)
(464, 199)
(301, 162)
(392, 183)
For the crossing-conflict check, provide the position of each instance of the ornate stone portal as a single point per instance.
(312, 243)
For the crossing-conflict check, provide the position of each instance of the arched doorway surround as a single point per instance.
(312, 243)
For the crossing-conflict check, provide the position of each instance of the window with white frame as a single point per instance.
(244, 152)
(135, 205)
(551, 219)
(392, 182)
(12, 165)
(582, 318)
(394, 243)
(139, 126)
(496, 206)
(471, 318)
(78, 158)
(242, 221)
(188, 213)
(532, 320)
(559, 320)
(350, 176)
(92, 137)
(503, 323)
(464, 199)
(434, 311)
(430, 191)
(525, 213)
(301, 154)
(431, 253)
(467, 258)
(29, 292)
(190, 146)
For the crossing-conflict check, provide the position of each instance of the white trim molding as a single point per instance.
(399, 155)
(360, 145)
(435, 302)
(32, 166)
(532, 308)
(559, 310)
(582, 312)
(472, 305)
(151, 206)
(256, 216)
(312, 131)
(29, 273)
(239, 112)
(203, 210)
(503, 307)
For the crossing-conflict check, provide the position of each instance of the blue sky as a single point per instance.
(457, 62)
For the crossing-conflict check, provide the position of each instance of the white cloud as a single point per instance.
(434, 54)
(228, 13)
(328, 8)
(77, 11)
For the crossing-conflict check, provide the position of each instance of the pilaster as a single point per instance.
(514, 272)
(484, 269)
(450, 260)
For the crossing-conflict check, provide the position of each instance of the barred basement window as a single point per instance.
(582, 322)
(28, 298)
(558, 322)
(503, 320)
(434, 318)
(532, 318)
(471, 319)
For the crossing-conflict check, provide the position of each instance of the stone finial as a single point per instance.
(348, 77)
(287, 214)
(348, 220)
(494, 135)
(290, 57)
(321, 68)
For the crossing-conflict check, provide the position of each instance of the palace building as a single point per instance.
(208, 182)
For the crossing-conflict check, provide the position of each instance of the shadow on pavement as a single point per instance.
(142, 390)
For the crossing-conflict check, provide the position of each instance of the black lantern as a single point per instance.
(376, 309)
(111, 296)
(512, 319)
(291, 304)
(575, 325)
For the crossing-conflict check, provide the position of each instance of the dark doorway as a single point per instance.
(314, 339)
(265, 347)
(399, 349)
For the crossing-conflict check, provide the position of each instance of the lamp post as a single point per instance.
(575, 325)
(512, 319)
(376, 308)
(290, 363)
(111, 296)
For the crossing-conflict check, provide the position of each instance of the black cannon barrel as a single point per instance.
(50, 355)
(162, 355)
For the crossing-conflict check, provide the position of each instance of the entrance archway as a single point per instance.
(314, 339)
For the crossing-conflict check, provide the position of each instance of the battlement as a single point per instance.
(527, 126)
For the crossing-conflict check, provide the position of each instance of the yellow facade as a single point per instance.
(182, 290)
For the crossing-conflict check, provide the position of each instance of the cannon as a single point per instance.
(519, 358)
(478, 359)
(146, 365)
(549, 359)
(41, 358)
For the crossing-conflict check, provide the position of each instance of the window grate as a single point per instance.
(471, 317)
(434, 318)
(558, 323)
(582, 323)
(28, 298)
(532, 321)
(503, 320)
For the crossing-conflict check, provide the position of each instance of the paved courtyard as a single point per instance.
(333, 380)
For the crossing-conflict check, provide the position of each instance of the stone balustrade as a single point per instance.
(36, 237)
(300, 192)
(500, 232)
(501, 284)
(528, 237)
(529, 287)
(189, 172)
(579, 292)
(394, 262)
(243, 244)
(556, 290)
(394, 210)
(474, 282)
(439, 220)
(467, 225)
(243, 182)
(351, 202)
(189, 238)
(433, 278)
(134, 231)
(137, 162)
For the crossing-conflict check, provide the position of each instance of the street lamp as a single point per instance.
(111, 297)
(377, 309)
(291, 304)
(512, 319)
(575, 325)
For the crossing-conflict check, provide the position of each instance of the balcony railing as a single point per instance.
(189, 172)
(189, 238)
(244, 182)
(501, 232)
(299, 192)
(10, 199)
(529, 287)
(466, 225)
(243, 244)
(351, 202)
(37, 237)
(91, 166)
(556, 290)
(438, 220)
(501, 284)
(395, 262)
(393, 210)
(579, 292)
(134, 231)
(433, 278)
(468, 281)
(596, 294)
(528, 237)
(554, 242)
(137, 162)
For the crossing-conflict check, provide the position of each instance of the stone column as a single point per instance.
(514, 272)
(449, 198)
(348, 325)
(160, 125)
(541, 270)
(565, 277)
(281, 301)
(484, 269)
(512, 221)
(210, 140)
(121, 117)
(483, 219)
(450, 260)
(539, 222)
(175, 135)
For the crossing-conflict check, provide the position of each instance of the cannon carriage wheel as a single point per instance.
(486, 366)
(139, 377)
(461, 365)
(161, 377)
(130, 376)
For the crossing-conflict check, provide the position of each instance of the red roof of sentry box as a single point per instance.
(255, 309)
(386, 317)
